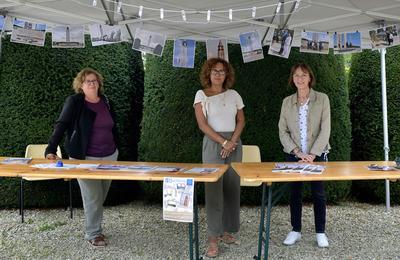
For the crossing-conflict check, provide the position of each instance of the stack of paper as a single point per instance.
(299, 168)
(16, 160)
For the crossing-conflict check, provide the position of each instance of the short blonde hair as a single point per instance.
(80, 78)
(206, 73)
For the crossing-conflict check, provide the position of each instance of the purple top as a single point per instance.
(101, 141)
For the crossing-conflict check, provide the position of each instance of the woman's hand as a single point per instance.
(225, 153)
(52, 156)
(230, 146)
(306, 157)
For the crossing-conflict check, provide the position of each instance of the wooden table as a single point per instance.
(13, 170)
(334, 171)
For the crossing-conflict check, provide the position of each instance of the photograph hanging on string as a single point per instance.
(344, 43)
(28, 33)
(281, 43)
(149, 42)
(314, 42)
(384, 37)
(102, 34)
(68, 36)
(217, 48)
(184, 51)
(250, 44)
(2, 21)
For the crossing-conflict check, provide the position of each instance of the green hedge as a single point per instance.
(34, 82)
(169, 128)
(366, 116)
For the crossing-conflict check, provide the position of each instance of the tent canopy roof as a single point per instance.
(311, 15)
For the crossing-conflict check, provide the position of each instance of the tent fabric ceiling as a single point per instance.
(312, 15)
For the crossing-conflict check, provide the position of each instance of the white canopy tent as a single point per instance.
(201, 20)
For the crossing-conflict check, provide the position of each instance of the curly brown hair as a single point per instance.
(206, 73)
(306, 69)
(80, 78)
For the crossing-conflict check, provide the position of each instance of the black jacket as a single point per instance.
(77, 120)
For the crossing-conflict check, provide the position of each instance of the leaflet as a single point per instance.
(202, 170)
(16, 160)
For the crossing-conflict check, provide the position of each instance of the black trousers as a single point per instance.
(319, 199)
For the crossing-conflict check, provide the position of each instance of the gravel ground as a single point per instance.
(137, 231)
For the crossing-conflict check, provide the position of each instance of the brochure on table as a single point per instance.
(298, 168)
(16, 160)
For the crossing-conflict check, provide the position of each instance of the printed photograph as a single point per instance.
(315, 42)
(184, 51)
(217, 48)
(2, 20)
(68, 36)
(28, 33)
(281, 43)
(102, 34)
(384, 37)
(149, 42)
(349, 42)
(250, 44)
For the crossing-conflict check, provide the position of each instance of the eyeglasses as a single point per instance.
(218, 72)
(305, 75)
(88, 82)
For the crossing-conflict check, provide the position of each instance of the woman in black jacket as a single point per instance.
(89, 123)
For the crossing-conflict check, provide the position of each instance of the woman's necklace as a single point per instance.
(302, 100)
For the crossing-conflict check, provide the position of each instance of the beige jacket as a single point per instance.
(318, 122)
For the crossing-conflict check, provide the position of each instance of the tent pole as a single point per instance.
(385, 123)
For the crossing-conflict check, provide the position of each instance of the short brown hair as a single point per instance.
(80, 78)
(206, 72)
(305, 68)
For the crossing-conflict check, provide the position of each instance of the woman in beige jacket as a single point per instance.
(304, 130)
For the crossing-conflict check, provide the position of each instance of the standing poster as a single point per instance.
(68, 36)
(250, 44)
(217, 48)
(178, 199)
(281, 43)
(184, 51)
(315, 42)
(28, 33)
(102, 34)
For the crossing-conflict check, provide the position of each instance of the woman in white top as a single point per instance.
(219, 114)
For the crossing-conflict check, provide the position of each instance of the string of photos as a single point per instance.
(72, 36)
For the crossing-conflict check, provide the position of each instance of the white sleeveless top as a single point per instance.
(220, 110)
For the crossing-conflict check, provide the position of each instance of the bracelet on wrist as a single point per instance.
(224, 143)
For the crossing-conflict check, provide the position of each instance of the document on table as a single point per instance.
(201, 170)
(178, 199)
(65, 166)
(16, 160)
(375, 167)
(299, 168)
(129, 168)
(167, 169)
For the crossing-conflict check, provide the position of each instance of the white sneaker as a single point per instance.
(292, 238)
(322, 240)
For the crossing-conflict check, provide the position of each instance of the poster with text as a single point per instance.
(178, 199)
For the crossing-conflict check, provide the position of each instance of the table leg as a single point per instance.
(267, 225)
(261, 227)
(194, 238)
(196, 224)
(191, 241)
